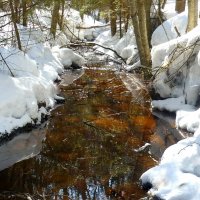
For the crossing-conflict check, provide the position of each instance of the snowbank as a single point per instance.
(27, 77)
(176, 66)
(67, 57)
(178, 174)
(170, 29)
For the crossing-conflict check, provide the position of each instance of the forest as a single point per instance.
(100, 99)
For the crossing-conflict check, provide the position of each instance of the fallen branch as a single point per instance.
(90, 27)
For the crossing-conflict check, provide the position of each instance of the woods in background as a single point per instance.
(143, 15)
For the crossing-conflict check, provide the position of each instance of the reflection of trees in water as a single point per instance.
(90, 142)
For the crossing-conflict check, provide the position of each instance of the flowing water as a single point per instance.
(90, 150)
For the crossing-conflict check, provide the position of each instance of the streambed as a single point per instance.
(91, 146)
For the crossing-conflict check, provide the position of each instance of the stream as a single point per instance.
(90, 148)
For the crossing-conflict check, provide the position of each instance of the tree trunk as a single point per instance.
(126, 15)
(61, 20)
(16, 5)
(126, 21)
(139, 19)
(192, 14)
(142, 16)
(14, 20)
(180, 6)
(24, 12)
(55, 18)
(120, 22)
(163, 3)
(113, 18)
(135, 21)
(148, 19)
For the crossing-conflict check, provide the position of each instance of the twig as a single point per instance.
(189, 145)
(177, 31)
(94, 44)
(7, 65)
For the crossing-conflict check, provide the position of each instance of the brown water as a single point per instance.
(89, 150)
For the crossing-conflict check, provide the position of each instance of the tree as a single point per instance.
(139, 12)
(192, 14)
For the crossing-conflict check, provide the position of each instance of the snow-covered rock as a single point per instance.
(67, 57)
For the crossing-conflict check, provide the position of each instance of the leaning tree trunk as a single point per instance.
(14, 20)
(113, 18)
(192, 14)
(180, 6)
(55, 18)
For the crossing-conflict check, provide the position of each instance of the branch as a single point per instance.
(81, 27)
(7, 65)
(93, 44)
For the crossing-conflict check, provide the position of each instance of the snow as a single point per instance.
(167, 31)
(172, 104)
(34, 71)
(179, 171)
(175, 65)
(67, 57)
(126, 46)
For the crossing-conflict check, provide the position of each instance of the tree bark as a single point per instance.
(113, 18)
(61, 20)
(55, 18)
(192, 14)
(138, 16)
(142, 17)
(148, 19)
(180, 6)
(24, 12)
(14, 20)
(16, 5)
(135, 23)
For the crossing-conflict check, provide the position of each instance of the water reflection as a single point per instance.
(89, 151)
